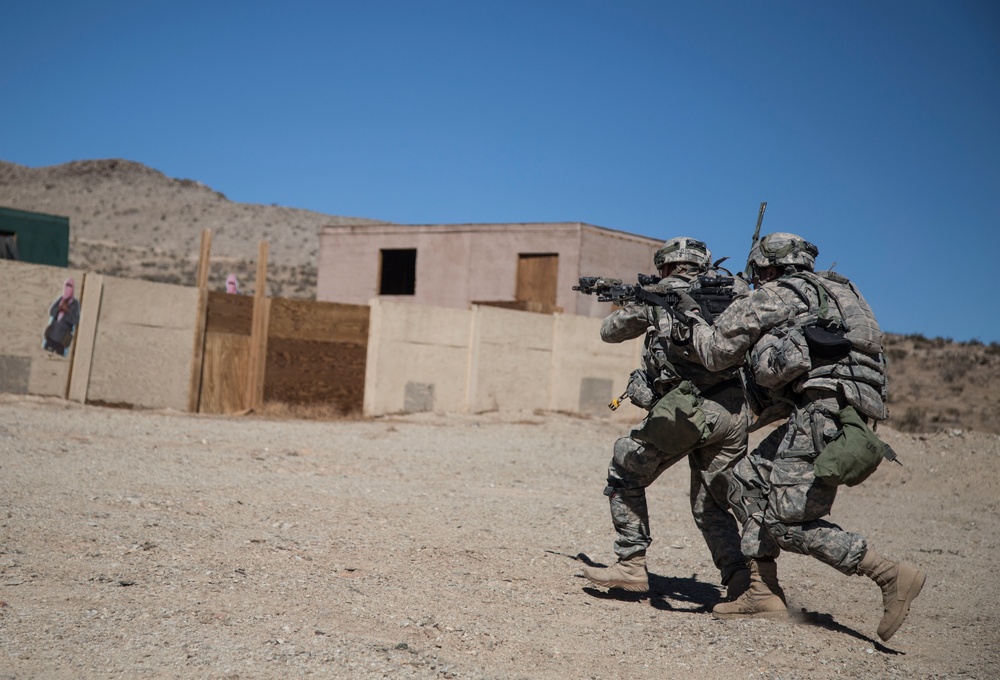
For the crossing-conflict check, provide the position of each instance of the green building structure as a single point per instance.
(34, 237)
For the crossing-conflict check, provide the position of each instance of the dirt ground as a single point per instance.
(164, 545)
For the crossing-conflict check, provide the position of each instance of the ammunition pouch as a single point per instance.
(827, 342)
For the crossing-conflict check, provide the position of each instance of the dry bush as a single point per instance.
(912, 420)
(279, 410)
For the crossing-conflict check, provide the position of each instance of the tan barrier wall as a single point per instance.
(143, 345)
(511, 360)
(441, 359)
(136, 345)
(418, 359)
(587, 373)
(26, 292)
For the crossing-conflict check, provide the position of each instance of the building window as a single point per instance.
(398, 272)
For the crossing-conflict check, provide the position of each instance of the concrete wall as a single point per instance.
(440, 359)
(135, 346)
(510, 360)
(143, 345)
(26, 292)
(417, 359)
(587, 372)
(465, 263)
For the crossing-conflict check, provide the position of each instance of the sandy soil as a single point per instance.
(163, 545)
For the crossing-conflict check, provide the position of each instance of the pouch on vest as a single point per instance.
(852, 456)
(779, 358)
(676, 423)
(828, 343)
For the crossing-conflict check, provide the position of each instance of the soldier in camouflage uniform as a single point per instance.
(776, 494)
(635, 465)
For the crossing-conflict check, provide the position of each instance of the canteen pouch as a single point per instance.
(676, 423)
(853, 454)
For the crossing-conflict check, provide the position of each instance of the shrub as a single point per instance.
(913, 419)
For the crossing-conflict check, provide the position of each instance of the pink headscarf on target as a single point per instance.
(68, 287)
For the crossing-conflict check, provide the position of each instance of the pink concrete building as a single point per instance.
(530, 266)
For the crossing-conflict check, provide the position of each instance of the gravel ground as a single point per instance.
(139, 544)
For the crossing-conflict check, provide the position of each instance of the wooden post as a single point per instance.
(258, 333)
(198, 351)
(204, 258)
(198, 356)
(86, 332)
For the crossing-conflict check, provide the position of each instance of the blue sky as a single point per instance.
(870, 128)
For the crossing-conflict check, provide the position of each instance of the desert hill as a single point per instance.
(127, 219)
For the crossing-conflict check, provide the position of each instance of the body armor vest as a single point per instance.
(835, 346)
(665, 360)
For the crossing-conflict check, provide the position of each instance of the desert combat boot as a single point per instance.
(900, 584)
(628, 574)
(764, 599)
(737, 584)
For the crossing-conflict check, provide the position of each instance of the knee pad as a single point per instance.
(745, 501)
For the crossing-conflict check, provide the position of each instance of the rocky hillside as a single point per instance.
(936, 384)
(131, 220)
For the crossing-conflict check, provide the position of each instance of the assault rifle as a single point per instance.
(712, 294)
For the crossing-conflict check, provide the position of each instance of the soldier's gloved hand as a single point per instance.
(686, 304)
(639, 392)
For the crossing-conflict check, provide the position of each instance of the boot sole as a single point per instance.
(622, 585)
(775, 616)
(911, 595)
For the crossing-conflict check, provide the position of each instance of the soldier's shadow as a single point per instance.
(673, 593)
(826, 621)
(665, 592)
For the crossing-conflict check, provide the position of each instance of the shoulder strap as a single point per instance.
(823, 293)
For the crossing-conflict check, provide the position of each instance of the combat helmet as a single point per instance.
(782, 249)
(683, 249)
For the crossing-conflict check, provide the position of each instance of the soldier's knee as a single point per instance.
(624, 447)
(783, 535)
(745, 500)
(621, 488)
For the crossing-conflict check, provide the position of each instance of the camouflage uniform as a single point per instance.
(812, 348)
(776, 494)
(636, 465)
